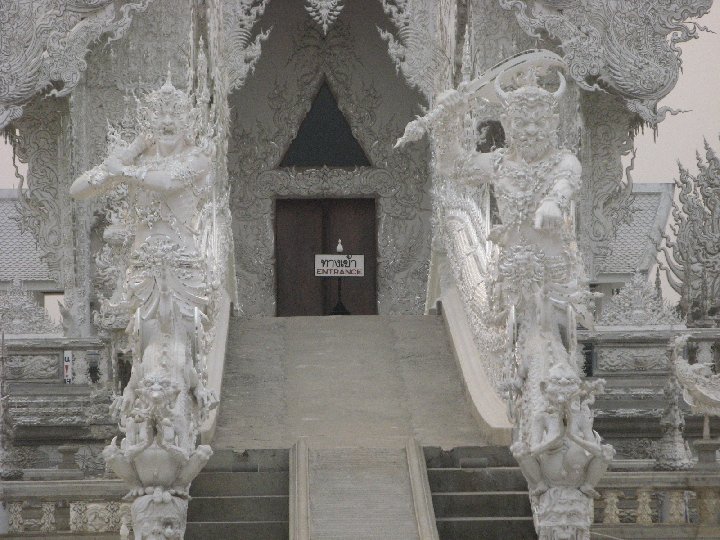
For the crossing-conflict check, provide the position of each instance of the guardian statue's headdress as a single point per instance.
(529, 94)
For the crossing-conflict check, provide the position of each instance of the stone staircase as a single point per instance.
(479, 492)
(241, 496)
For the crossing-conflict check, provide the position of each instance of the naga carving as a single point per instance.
(531, 280)
(629, 47)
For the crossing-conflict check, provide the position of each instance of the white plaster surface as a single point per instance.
(367, 381)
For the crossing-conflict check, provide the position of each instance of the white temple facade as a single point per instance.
(353, 269)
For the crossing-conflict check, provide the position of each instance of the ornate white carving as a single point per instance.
(44, 45)
(627, 46)
(639, 303)
(419, 51)
(21, 314)
(240, 50)
(532, 279)
(173, 274)
(689, 252)
(324, 12)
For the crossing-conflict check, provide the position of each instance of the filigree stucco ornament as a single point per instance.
(240, 50)
(324, 12)
(530, 279)
(418, 48)
(171, 281)
(690, 252)
(44, 44)
(638, 304)
(629, 47)
(21, 314)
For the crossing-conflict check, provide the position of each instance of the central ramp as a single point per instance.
(343, 381)
(360, 493)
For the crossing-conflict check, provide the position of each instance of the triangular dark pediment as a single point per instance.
(325, 138)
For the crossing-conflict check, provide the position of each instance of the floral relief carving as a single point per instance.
(632, 359)
(33, 367)
(95, 517)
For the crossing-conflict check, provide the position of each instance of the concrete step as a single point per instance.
(246, 508)
(469, 457)
(479, 480)
(479, 505)
(226, 484)
(241, 495)
(486, 529)
(257, 530)
(266, 459)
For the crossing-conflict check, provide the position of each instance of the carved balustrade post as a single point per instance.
(611, 513)
(644, 508)
(674, 507)
(708, 501)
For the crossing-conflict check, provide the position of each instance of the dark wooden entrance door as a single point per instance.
(305, 227)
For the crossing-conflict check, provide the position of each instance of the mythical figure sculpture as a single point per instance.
(169, 280)
(541, 286)
(538, 287)
(701, 390)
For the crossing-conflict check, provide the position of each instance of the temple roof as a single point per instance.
(19, 254)
(635, 245)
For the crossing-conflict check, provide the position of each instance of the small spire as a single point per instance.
(339, 247)
(168, 82)
(658, 284)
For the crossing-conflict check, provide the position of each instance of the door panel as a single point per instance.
(353, 221)
(298, 236)
(305, 227)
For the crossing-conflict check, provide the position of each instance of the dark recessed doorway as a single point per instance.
(306, 227)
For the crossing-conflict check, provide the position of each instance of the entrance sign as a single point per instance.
(340, 265)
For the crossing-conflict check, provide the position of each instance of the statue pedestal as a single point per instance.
(706, 451)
